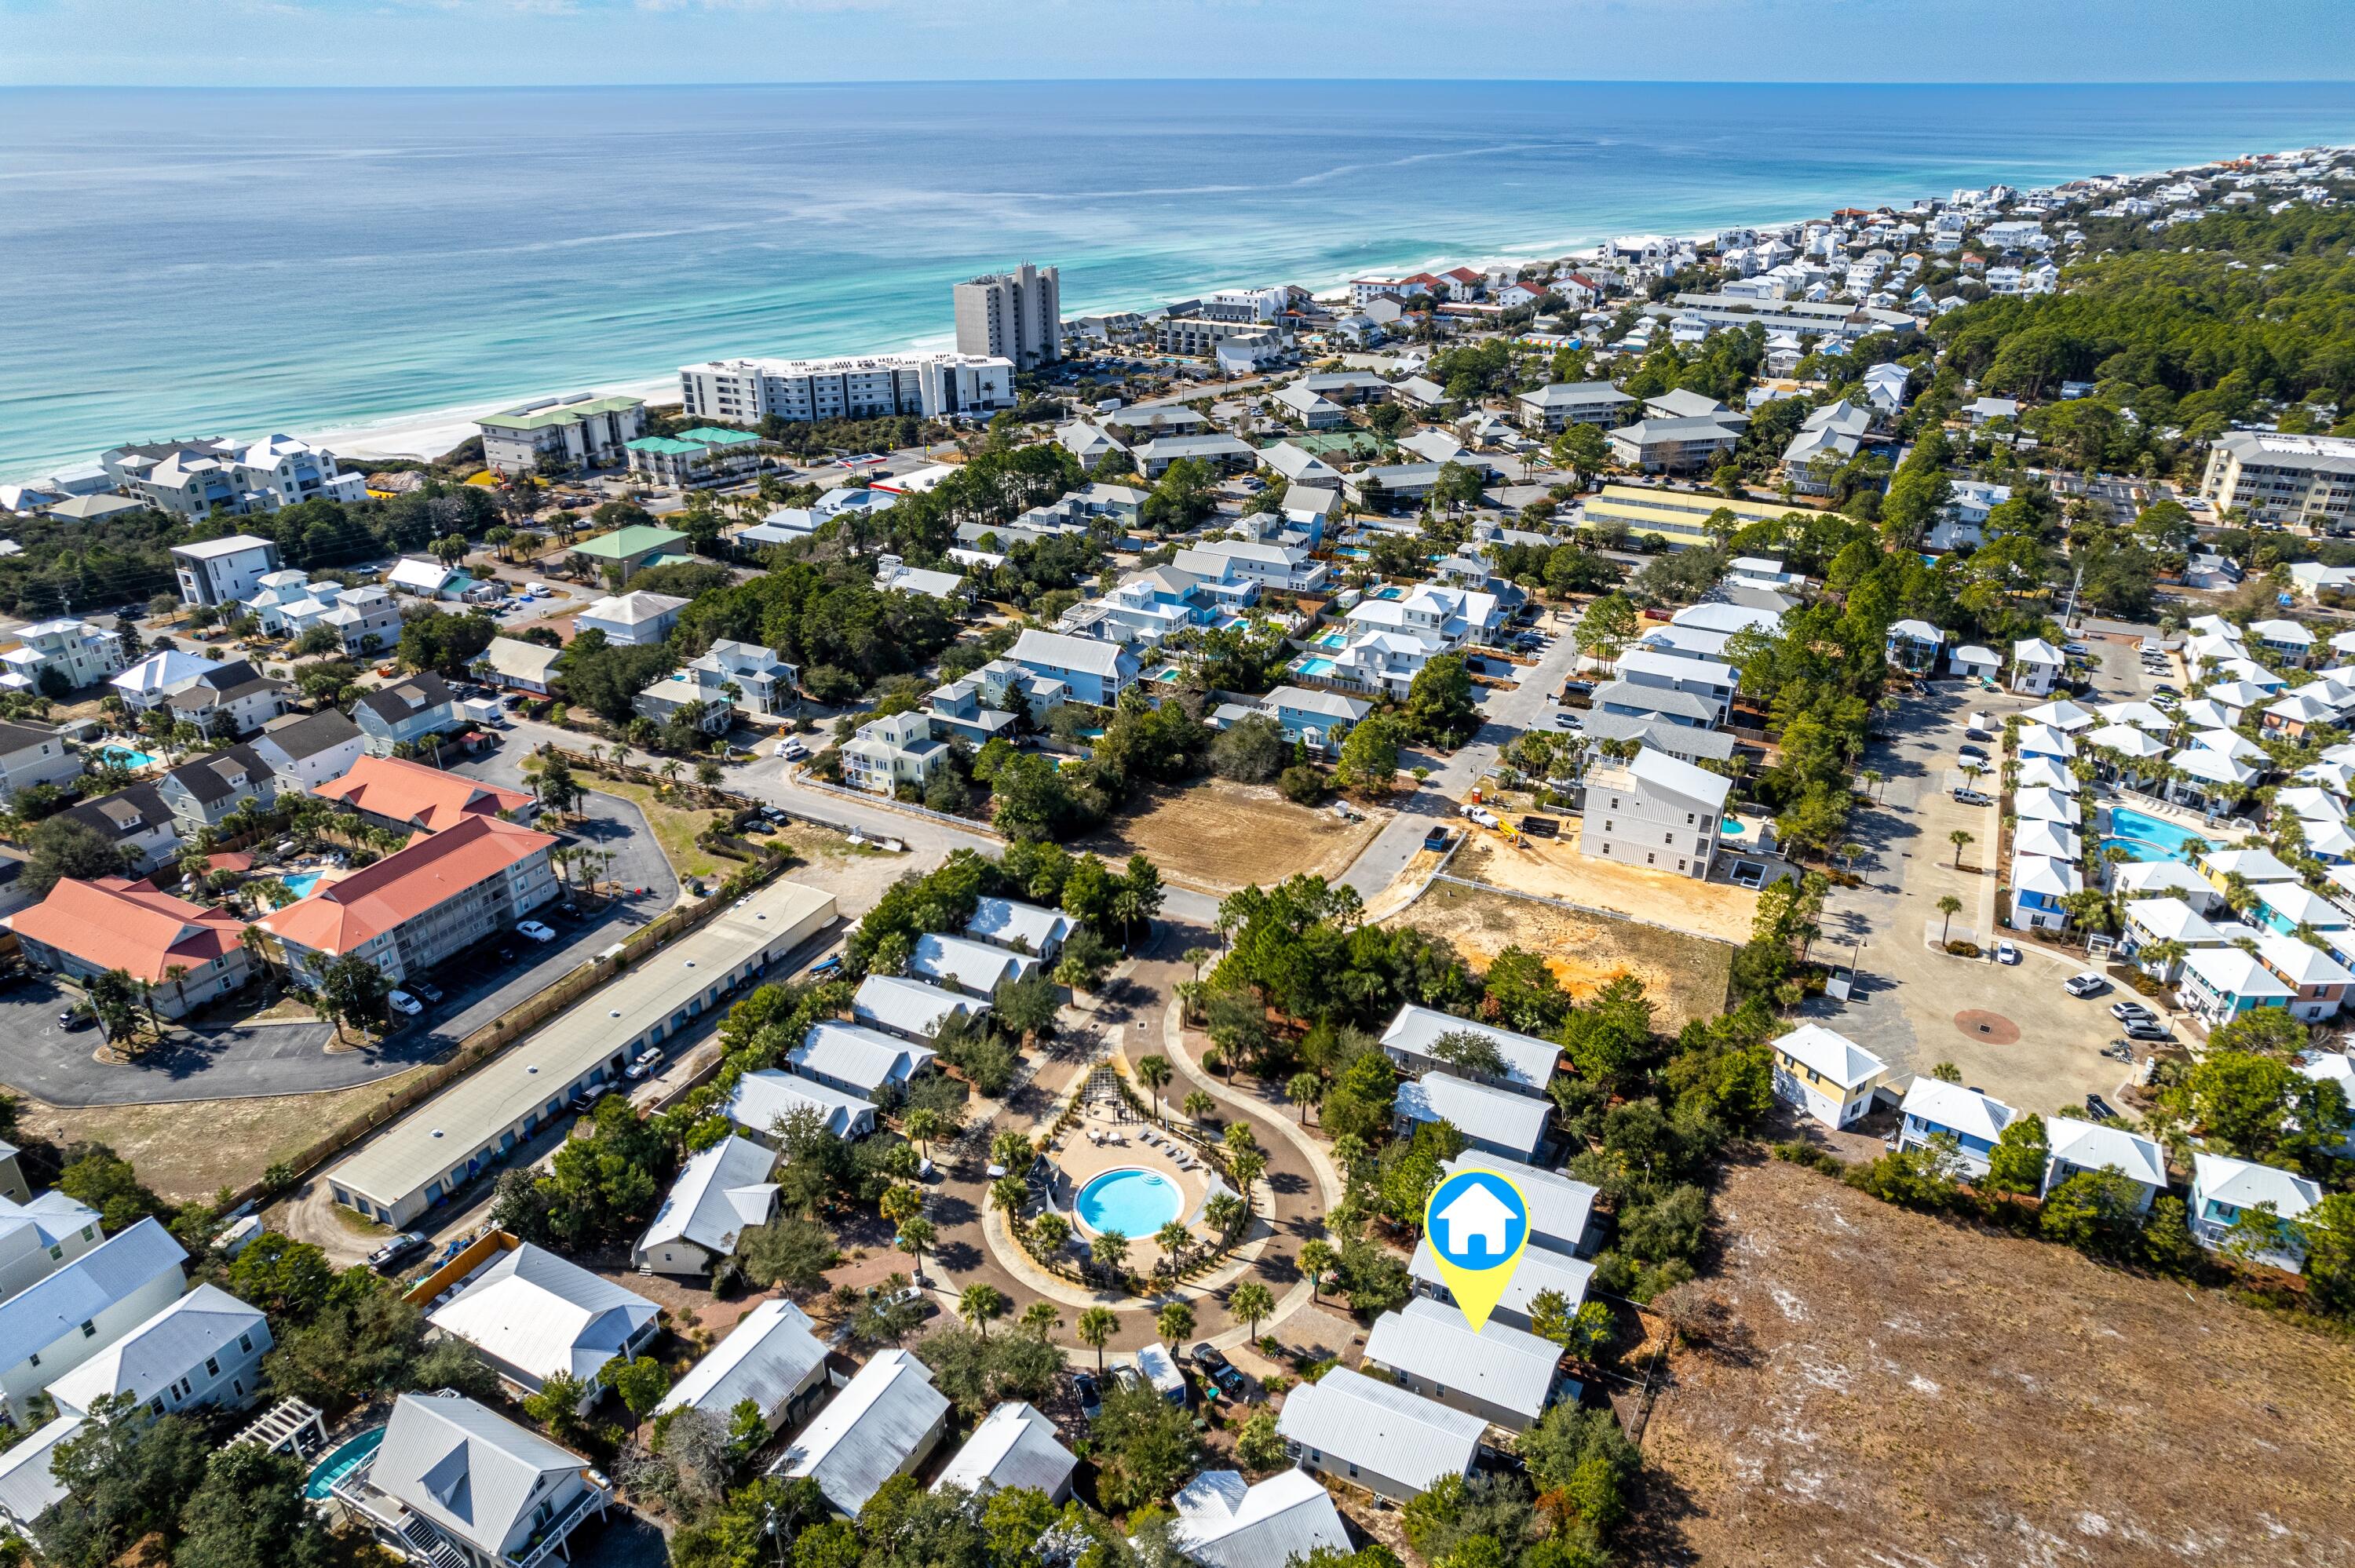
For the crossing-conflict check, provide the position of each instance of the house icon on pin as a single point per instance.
(1476, 1214)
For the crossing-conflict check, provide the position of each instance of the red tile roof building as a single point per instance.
(418, 905)
(89, 929)
(404, 794)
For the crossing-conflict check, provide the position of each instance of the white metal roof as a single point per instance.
(204, 1322)
(2243, 1184)
(1006, 921)
(542, 1314)
(978, 967)
(2092, 1145)
(1678, 777)
(1013, 1446)
(1529, 1060)
(1831, 1054)
(112, 1272)
(1957, 1109)
(868, 1431)
(1504, 1366)
(1540, 1269)
(1222, 1522)
(28, 1485)
(909, 1006)
(468, 1471)
(762, 1099)
(853, 1054)
(1560, 1207)
(723, 1191)
(1500, 1117)
(1381, 1428)
(766, 1358)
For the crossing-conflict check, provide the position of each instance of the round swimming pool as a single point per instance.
(1133, 1202)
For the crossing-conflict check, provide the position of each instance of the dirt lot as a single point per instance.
(1554, 869)
(1924, 1394)
(1685, 976)
(1217, 836)
(192, 1150)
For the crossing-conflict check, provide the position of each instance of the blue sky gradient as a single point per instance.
(321, 43)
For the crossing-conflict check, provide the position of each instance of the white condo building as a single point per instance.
(1015, 315)
(861, 386)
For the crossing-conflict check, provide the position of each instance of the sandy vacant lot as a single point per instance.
(1554, 869)
(192, 1150)
(1926, 1395)
(1219, 835)
(1685, 976)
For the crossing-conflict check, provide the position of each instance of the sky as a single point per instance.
(290, 43)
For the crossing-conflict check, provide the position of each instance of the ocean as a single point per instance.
(237, 262)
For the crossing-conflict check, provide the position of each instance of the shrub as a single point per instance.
(1302, 783)
(1962, 949)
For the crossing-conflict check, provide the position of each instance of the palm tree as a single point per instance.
(1173, 1322)
(1198, 1106)
(1041, 1318)
(2166, 953)
(924, 1124)
(915, 1236)
(1305, 1089)
(1110, 1249)
(1948, 907)
(1246, 1168)
(1317, 1259)
(1097, 1326)
(1873, 781)
(1958, 838)
(1154, 1072)
(1175, 1240)
(1251, 1302)
(1050, 1231)
(1239, 1139)
(1007, 1194)
(902, 1204)
(1226, 1214)
(980, 1305)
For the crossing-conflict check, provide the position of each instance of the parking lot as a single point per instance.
(2011, 1030)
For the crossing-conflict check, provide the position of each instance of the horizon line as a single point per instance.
(1874, 84)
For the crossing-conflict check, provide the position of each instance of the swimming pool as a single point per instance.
(1133, 1202)
(2149, 838)
(340, 1462)
(124, 756)
(1731, 825)
(1333, 640)
(301, 884)
(1316, 666)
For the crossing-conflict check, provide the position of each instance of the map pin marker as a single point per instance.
(1477, 1222)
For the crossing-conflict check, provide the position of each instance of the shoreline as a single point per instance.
(425, 434)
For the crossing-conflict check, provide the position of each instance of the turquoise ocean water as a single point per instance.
(188, 262)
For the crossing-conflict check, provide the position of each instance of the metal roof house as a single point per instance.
(1225, 1522)
(1530, 1062)
(1825, 1074)
(28, 1485)
(1376, 1435)
(773, 1357)
(535, 1315)
(1561, 1210)
(882, 1425)
(2073, 1145)
(1013, 1446)
(1007, 922)
(858, 1060)
(1972, 1119)
(2224, 1189)
(722, 1191)
(37, 1238)
(1497, 1120)
(52, 1327)
(762, 1099)
(908, 1007)
(206, 1348)
(1504, 1375)
(976, 967)
(456, 1485)
(1540, 1270)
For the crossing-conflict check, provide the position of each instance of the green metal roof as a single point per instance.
(709, 437)
(624, 543)
(668, 446)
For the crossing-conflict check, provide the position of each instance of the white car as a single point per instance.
(536, 932)
(792, 747)
(400, 1001)
(2005, 953)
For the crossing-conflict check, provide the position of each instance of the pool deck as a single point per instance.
(1081, 1160)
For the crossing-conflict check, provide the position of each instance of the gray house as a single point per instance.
(1377, 1436)
(415, 708)
(202, 793)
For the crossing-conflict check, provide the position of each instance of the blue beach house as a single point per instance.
(1095, 671)
(1972, 1119)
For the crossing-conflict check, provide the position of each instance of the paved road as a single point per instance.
(1505, 715)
